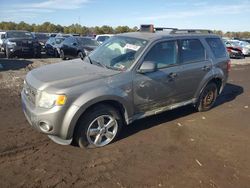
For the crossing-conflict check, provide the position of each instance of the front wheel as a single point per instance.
(80, 55)
(98, 127)
(207, 98)
(62, 55)
(8, 54)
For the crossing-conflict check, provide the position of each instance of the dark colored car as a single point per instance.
(53, 45)
(73, 47)
(42, 39)
(18, 43)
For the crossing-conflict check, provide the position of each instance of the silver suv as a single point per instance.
(129, 77)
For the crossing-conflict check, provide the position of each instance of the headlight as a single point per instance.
(234, 51)
(11, 43)
(47, 100)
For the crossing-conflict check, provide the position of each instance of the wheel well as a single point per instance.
(118, 106)
(218, 83)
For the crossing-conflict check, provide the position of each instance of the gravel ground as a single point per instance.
(179, 148)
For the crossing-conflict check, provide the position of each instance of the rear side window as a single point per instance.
(217, 47)
(191, 50)
(163, 54)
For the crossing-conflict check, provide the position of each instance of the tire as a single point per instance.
(98, 127)
(80, 55)
(8, 54)
(56, 53)
(207, 98)
(62, 55)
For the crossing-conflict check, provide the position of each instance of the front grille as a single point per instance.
(30, 93)
(26, 43)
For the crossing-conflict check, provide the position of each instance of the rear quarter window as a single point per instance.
(191, 50)
(217, 47)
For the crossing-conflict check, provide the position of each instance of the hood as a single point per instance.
(20, 39)
(67, 74)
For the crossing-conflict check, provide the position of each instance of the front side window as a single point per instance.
(118, 53)
(88, 42)
(191, 50)
(217, 47)
(163, 54)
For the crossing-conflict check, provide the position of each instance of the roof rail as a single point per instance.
(165, 28)
(191, 31)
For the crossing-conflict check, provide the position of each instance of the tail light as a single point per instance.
(228, 65)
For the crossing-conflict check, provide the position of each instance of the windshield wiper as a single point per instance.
(100, 64)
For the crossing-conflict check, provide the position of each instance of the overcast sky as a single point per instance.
(226, 15)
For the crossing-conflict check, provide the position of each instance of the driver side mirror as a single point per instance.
(74, 44)
(147, 67)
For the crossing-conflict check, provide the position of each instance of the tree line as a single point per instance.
(48, 27)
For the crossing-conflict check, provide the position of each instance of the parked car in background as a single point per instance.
(244, 46)
(42, 39)
(67, 35)
(2, 34)
(18, 43)
(53, 45)
(234, 51)
(132, 76)
(73, 47)
(102, 38)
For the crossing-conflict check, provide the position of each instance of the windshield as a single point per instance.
(88, 41)
(118, 52)
(59, 40)
(243, 43)
(41, 36)
(19, 35)
(235, 43)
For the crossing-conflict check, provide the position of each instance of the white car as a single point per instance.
(102, 38)
(245, 46)
(2, 33)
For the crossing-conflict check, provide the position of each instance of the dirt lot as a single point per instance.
(180, 148)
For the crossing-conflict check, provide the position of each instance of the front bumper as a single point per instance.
(54, 117)
(19, 50)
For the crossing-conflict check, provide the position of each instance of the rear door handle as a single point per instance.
(206, 68)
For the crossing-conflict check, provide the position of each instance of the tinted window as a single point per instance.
(69, 41)
(88, 41)
(163, 54)
(217, 47)
(191, 50)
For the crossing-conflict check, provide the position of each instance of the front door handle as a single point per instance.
(172, 75)
(206, 68)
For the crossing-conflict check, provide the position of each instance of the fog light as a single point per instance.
(45, 127)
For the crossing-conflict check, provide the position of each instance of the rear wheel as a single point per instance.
(98, 127)
(207, 98)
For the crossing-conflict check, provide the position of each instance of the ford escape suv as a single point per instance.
(129, 77)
